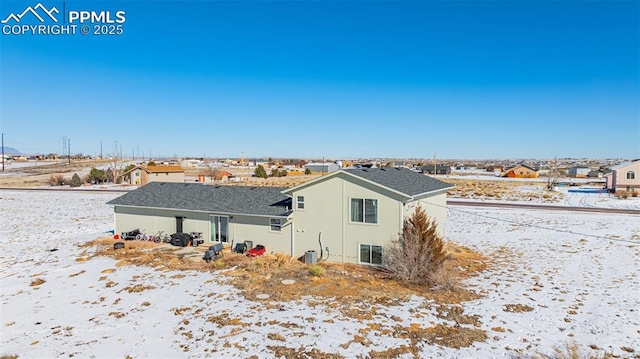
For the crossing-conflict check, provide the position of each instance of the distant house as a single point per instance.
(595, 174)
(346, 216)
(321, 167)
(141, 175)
(624, 177)
(579, 172)
(440, 169)
(521, 171)
(218, 175)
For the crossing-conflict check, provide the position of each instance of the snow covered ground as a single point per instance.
(555, 276)
(569, 199)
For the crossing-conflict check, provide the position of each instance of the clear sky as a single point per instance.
(341, 79)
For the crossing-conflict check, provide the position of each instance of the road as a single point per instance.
(453, 202)
(450, 202)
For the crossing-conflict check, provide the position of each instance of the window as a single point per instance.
(371, 254)
(275, 224)
(631, 175)
(364, 210)
(300, 202)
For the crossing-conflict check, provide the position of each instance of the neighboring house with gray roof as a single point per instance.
(345, 216)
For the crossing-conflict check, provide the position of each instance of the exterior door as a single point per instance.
(219, 228)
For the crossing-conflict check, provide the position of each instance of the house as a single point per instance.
(624, 177)
(440, 169)
(579, 171)
(141, 175)
(521, 171)
(321, 167)
(346, 216)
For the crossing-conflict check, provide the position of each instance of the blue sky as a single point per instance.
(341, 79)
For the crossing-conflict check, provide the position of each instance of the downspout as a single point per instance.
(343, 221)
(293, 239)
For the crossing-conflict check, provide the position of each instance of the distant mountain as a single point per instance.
(11, 151)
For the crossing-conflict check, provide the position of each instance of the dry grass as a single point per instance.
(568, 350)
(264, 275)
(499, 189)
(517, 308)
(37, 282)
(9, 356)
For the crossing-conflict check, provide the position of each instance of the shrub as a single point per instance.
(260, 172)
(75, 181)
(418, 253)
(622, 194)
(55, 180)
(316, 270)
(97, 176)
(307, 171)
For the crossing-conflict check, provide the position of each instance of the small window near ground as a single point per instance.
(275, 224)
(300, 202)
(370, 254)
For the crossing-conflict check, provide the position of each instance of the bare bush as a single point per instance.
(55, 180)
(445, 279)
(418, 253)
(622, 194)
(569, 350)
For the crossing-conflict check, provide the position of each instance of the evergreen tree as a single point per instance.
(260, 172)
(75, 181)
(418, 253)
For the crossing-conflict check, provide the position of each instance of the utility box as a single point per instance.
(310, 257)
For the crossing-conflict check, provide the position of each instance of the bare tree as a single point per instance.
(214, 172)
(553, 173)
(116, 165)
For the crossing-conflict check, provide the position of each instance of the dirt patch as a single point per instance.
(517, 308)
(300, 352)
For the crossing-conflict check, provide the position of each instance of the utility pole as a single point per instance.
(69, 149)
(64, 145)
(101, 158)
(435, 164)
(3, 152)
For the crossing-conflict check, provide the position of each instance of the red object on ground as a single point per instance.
(256, 251)
(116, 236)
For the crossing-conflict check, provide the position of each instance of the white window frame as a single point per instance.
(273, 225)
(360, 245)
(631, 175)
(364, 210)
(300, 202)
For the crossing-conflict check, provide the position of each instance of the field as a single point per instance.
(540, 279)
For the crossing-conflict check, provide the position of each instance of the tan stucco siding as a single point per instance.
(176, 177)
(241, 228)
(621, 181)
(389, 220)
(321, 220)
(434, 205)
(258, 230)
(152, 220)
(326, 218)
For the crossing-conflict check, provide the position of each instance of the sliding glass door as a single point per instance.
(219, 228)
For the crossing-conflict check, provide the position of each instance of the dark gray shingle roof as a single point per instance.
(400, 179)
(266, 201)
